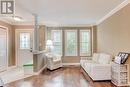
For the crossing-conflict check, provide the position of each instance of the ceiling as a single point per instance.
(63, 11)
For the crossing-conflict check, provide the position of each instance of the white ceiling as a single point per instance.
(64, 11)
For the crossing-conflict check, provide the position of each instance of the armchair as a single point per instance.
(53, 61)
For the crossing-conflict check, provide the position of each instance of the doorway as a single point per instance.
(24, 44)
(3, 49)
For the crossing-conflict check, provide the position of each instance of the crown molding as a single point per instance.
(119, 7)
(5, 21)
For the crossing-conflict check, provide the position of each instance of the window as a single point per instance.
(85, 47)
(70, 42)
(24, 40)
(57, 41)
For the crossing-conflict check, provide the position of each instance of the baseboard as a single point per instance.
(129, 83)
(69, 64)
(11, 67)
(37, 73)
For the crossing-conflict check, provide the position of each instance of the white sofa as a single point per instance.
(99, 67)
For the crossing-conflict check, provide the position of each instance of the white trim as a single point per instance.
(69, 64)
(16, 50)
(92, 40)
(37, 73)
(7, 43)
(11, 67)
(119, 7)
(128, 83)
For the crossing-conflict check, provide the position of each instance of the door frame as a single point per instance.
(16, 45)
(7, 45)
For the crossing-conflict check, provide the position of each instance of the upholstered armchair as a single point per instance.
(53, 61)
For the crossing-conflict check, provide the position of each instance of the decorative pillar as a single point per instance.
(36, 36)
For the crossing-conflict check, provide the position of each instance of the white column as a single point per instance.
(36, 37)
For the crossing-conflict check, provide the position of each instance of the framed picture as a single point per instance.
(118, 59)
(119, 54)
(124, 56)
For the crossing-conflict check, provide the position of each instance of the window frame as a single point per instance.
(77, 54)
(28, 41)
(60, 37)
(78, 38)
(90, 30)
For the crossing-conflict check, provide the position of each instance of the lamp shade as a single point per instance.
(49, 43)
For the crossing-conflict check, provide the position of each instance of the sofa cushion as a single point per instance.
(95, 57)
(104, 58)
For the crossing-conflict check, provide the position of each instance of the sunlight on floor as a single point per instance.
(13, 75)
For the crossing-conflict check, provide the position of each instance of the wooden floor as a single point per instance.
(63, 77)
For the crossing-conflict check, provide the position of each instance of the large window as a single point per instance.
(57, 41)
(85, 43)
(70, 42)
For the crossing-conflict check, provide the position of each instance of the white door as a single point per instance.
(24, 43)
(3, 49)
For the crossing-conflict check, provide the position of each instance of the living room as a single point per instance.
(65, 43)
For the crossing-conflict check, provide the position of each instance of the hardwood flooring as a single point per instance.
(63, 77)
